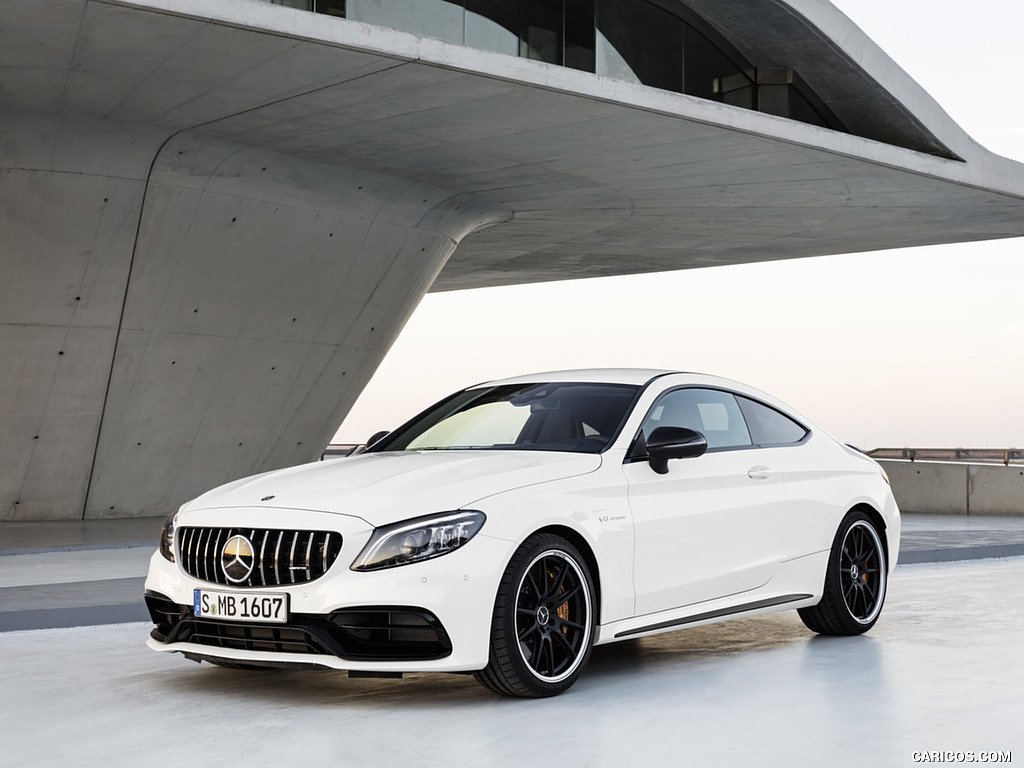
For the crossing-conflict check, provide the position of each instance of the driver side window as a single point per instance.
(714, 414)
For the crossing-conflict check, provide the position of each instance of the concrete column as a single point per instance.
(203, 311)
(70, 196)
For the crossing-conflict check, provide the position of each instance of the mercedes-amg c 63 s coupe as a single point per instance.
(513, 526)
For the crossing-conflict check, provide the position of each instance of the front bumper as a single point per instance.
(429, 616)
(374, 634)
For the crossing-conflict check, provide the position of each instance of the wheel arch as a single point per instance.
(580, 542)
(879, 522)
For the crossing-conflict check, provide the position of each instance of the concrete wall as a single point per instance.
(995, 490)
(958, 489)
(177, 311)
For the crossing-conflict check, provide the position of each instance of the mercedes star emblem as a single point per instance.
(237, 559)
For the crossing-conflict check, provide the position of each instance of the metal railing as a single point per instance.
(1005, 456)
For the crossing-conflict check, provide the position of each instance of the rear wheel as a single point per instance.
(855, 581)
(543, 623)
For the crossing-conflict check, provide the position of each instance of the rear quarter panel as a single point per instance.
(824, 481)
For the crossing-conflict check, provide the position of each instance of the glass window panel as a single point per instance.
(540, 417)
(485, 426)
(633, 40)
(330, 7)
(705, 63)
(768, 426)
(743, 97)
(773, 100)
(493, 25)
(713, 413)
(579, 34)
(541, 36)
(431, 18)
(539, 44)
(801, 109)
(647, 39)
(609, 62)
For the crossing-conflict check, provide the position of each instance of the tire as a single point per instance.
(855, 582)
(542, 628)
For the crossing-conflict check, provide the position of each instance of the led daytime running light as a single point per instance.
(423, 538)
(167, 536)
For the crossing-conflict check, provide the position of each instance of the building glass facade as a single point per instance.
(639, 41)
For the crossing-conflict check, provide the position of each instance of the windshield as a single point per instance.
(581, 418)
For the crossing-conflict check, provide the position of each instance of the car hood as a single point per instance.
(385, 487)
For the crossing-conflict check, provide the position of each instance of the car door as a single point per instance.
(713, 525)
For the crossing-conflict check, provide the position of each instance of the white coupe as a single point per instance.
(516, 524)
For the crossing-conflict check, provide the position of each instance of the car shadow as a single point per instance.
(636, 663)
(699, 644)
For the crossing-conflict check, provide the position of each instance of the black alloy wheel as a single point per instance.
(855, 581)
(543, 623)
(860, 566)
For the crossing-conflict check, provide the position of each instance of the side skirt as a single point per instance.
(721, 612)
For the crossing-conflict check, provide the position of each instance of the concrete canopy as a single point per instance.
(216, 217)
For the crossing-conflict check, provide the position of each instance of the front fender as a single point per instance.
(595, 508)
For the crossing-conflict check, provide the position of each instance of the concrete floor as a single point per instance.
(943, 670)
(945, 538)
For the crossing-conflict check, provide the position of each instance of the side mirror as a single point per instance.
(674, 443)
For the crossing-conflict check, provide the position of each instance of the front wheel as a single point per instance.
(855, 581)
(542, 627)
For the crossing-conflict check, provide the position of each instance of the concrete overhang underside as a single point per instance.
(218, 216)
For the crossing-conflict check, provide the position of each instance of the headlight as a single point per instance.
(421, 538)
(167, 536)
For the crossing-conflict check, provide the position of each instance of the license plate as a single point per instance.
(264, 607)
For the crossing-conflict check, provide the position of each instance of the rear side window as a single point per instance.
(768, 426)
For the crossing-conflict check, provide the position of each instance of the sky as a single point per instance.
(920, 347)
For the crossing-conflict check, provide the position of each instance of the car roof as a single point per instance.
(642, 376)
(636, 376)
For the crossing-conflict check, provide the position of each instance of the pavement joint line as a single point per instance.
(82, 616)
(78, 548)
(71, 597)
(956, 554)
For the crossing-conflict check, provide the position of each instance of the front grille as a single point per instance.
(279, 557)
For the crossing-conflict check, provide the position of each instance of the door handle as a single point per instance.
(759, 473)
